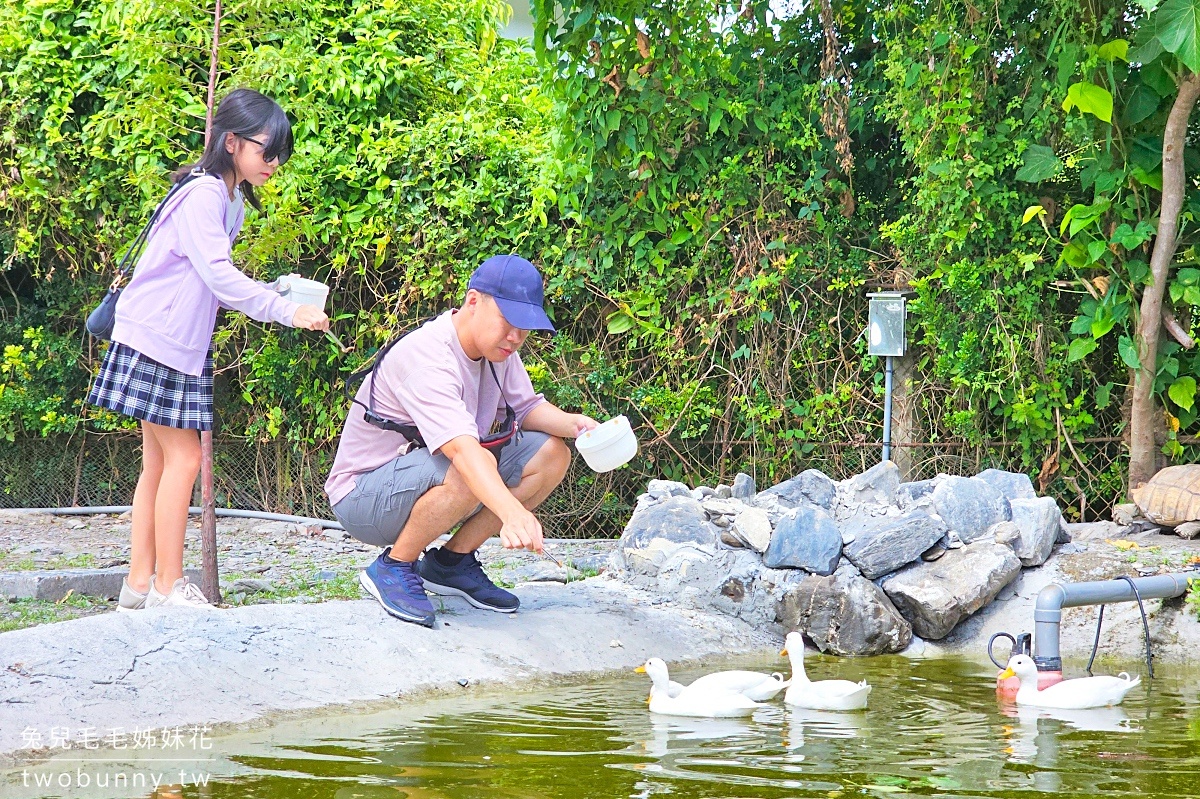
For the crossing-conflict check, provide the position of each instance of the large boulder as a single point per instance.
(810, 487)
(805, 538)
(936, 596)
(844, 614)
(875, 486)
(969, 506)
(657, 528)
(731, 581)
(1013, 485)
(1039, 521)
(885, 543)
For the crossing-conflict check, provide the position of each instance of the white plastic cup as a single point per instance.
(609, 445)
(303, 291)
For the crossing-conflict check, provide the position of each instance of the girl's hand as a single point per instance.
(310, 317)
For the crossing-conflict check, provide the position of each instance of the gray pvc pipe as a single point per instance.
(194, 510)
(1047, 612)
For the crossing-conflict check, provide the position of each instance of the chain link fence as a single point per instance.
(1086, 477)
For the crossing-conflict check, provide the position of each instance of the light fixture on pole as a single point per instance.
(885, 337)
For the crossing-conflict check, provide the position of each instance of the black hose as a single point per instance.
(1145, 628)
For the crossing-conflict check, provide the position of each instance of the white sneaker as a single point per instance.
(130, 599)
(184, 593)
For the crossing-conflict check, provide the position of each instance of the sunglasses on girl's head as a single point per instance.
(279, 156)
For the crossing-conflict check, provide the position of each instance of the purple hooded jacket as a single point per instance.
(169, 308)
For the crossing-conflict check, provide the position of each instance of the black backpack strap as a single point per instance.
(409, 431)
(135, 249)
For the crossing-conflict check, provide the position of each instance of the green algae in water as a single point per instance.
(933, 728)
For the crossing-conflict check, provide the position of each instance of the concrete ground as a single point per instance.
(183, 667)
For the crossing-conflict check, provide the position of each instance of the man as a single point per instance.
(417, 455)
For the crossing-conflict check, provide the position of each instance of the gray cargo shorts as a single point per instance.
(378, 507)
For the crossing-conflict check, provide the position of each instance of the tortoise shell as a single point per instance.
(1172, 496)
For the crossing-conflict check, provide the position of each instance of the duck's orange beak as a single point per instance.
(1004, 675)
(640, 669)
(783, 652)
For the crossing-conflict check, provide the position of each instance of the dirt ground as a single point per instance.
(258, 561)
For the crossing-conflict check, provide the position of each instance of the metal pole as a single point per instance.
(209, 581)
(887, 408)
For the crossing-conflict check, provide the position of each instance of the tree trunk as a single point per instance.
(1142, 447)
(210, 583)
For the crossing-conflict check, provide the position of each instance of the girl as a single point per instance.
(159, 367)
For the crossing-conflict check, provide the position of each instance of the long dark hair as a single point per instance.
(243, 112)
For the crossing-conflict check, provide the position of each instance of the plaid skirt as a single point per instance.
(137, 386)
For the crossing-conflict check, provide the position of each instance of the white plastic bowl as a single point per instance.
(303, 291)
(609, 445)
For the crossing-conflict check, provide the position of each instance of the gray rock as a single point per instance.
(1039, 520)
(743, 486)
(810, 487)
(728, 538)
(661, 489)
(676, 519)
(249, 585)
(908, 494)
(875, 486)
(591, 564)
(969, 506)
(731, 581)
(716, 506)
(1093, 531)
(326, 575)
(1012, 485)
(1064, 535)
(724, 491)
(53, 585)
(1005, 533)
(700, 492)
(545, 572)
(844, 614)
(722, 521)
(806, 538)
(884, 544)
(935, 597)
(753, 527)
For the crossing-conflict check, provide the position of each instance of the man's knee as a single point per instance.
(554, 459)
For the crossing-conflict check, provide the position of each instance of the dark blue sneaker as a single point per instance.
(466, 580)
(398, 588)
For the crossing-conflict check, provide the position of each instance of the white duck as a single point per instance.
(1068, 694)
(750, 684)
(823, 694)
(707, 702)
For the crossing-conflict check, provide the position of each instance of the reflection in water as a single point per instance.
(819, 724)
(933, 728)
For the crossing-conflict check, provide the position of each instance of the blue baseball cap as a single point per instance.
(516, 286)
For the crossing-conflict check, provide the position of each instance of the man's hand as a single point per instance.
(310, 317)
(582, 423)
(522, 531)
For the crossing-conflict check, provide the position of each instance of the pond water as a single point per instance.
(933, 728)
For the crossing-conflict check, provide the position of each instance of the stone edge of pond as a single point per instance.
(160, 669)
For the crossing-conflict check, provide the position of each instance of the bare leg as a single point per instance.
(141, 544)
(181, 464)
(442, 507)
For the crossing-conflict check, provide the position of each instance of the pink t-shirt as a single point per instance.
(427, 380)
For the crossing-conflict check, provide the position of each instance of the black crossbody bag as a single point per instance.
(101, 320)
